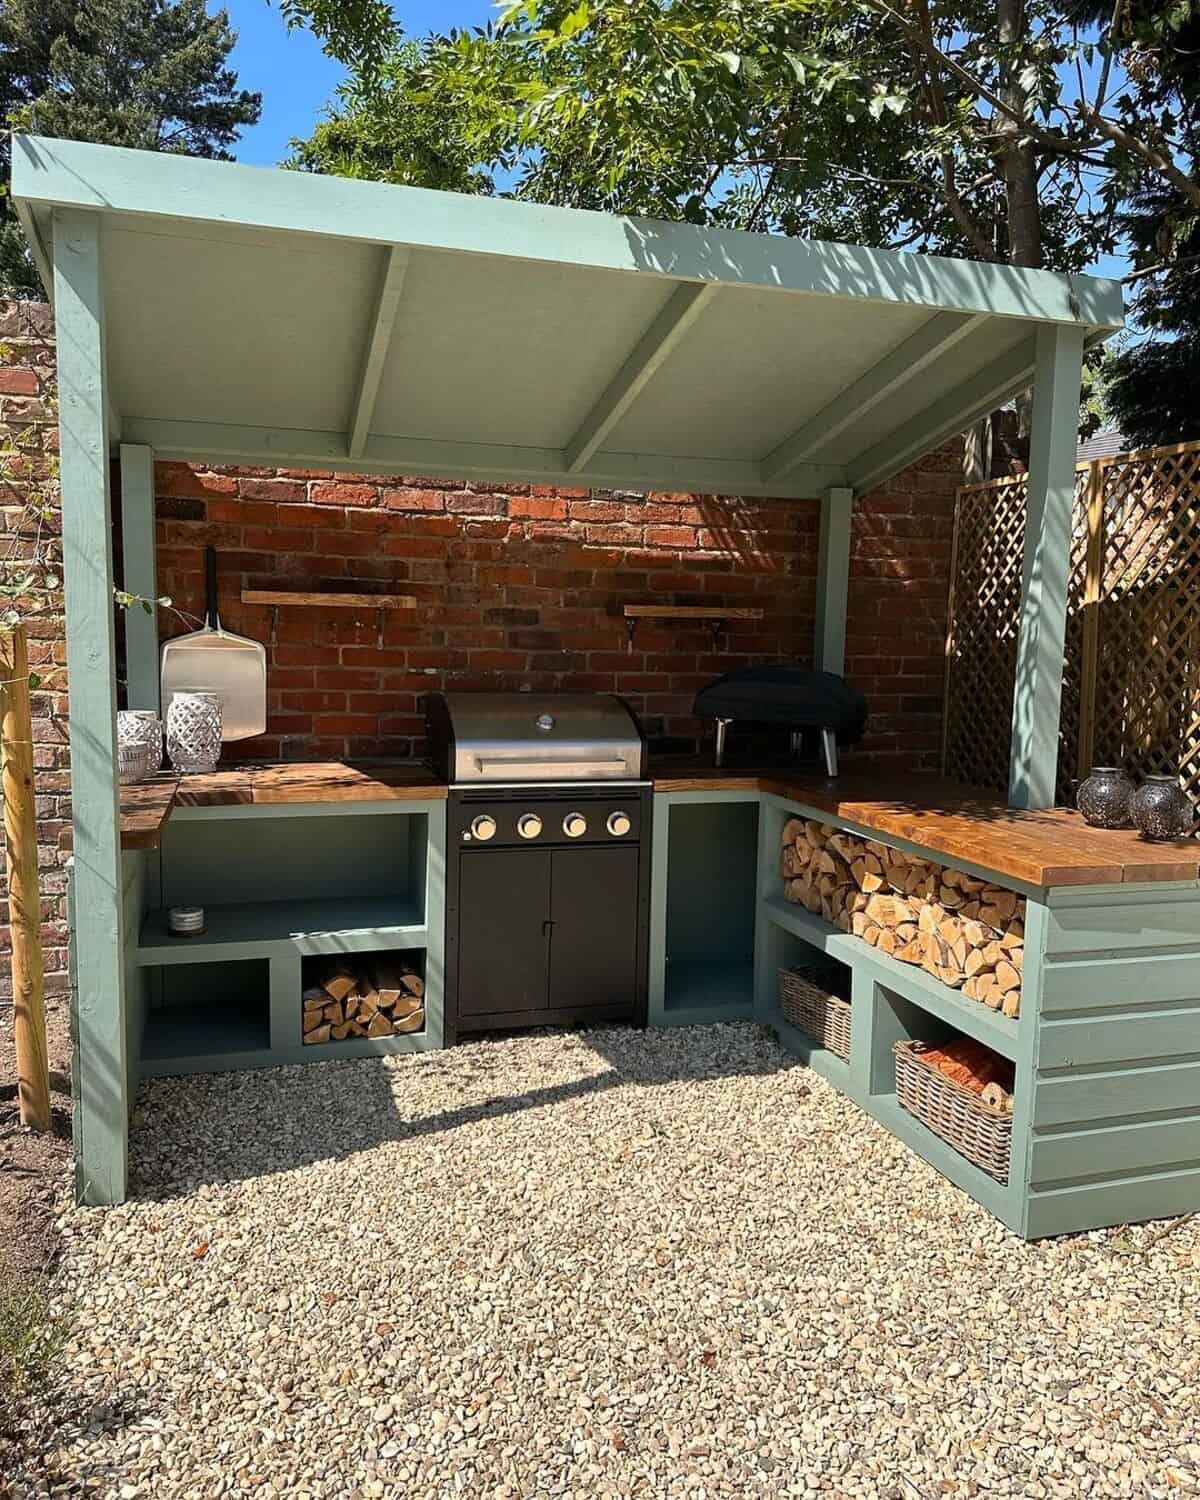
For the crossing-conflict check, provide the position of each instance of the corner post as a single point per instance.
(140, 575)
(102, 1084)
(833, 580)
(1037, 697)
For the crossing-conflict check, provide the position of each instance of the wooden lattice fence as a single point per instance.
(1131, 683)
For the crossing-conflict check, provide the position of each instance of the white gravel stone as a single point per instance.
(601, 1264)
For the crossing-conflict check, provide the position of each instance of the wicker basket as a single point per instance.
(808, 999)
(977, 1131)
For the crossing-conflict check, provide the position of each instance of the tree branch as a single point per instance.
(1160, 163)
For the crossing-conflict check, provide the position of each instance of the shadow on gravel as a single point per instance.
(221, 1128)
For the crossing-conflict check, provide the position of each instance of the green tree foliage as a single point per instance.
(1152, 383)
(151, 74)
(375, 131)
(986, 128)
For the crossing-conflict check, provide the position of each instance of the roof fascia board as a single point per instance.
(285, 447)
(379, 337)
(983, 393)
(115, 180)
(684, 306)
(916, 353)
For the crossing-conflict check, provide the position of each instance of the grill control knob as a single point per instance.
(483, 827)
(574, 825)
(529, 825)
(618, 824)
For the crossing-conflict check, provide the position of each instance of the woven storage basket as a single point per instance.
(808, 999)
(977, 1131)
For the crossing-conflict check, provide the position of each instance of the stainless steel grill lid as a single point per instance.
(497, 737)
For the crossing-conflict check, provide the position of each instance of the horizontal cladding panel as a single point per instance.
(1119, 984)
(1096, 1205)
(1142, 1146)
(1116, 922)
(1090, 1097)
(1090, 1041)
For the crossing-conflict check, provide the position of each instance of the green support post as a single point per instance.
(102, 1081)
(140, 575)
(1046, 568)
(833, 580)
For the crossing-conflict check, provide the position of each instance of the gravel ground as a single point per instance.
(592, 1265)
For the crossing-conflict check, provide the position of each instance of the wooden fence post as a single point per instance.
(24, 897)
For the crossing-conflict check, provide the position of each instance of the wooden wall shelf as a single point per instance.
(329, 601)
(715, 613)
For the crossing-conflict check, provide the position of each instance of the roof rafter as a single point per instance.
(984, 392)
(933, 339)
(682, 309)
(379, 337)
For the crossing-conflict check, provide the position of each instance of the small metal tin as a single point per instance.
(185, 921)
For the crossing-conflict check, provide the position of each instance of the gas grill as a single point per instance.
(548, 870)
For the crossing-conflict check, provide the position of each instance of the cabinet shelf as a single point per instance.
(355, 925)
(921, 989)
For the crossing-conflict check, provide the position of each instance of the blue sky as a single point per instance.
(296, 80)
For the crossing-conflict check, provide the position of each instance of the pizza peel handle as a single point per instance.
(213, 660)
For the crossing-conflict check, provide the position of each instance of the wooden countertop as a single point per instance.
(1050, 848)
(318, 781)
(147, 805)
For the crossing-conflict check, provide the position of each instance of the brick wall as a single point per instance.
(516, 585)
(28, 467)
(520, 585)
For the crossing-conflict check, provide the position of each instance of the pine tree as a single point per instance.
(151, 74)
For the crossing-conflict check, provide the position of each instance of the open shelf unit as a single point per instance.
(356, 879)
(703, 919)
(891, 1001)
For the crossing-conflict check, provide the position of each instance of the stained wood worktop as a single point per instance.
(1050, 848)
(146, 806)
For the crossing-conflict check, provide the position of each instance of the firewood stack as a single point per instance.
(966, 932)
(380, 997)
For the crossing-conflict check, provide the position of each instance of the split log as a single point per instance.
(385, 998)
(965, 931)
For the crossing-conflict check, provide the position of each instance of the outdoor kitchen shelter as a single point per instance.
(222, 313)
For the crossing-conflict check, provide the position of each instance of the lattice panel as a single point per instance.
(989, 533)
(1146, 698)
(1148, 674)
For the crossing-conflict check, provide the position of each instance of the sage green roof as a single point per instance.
(265, 316)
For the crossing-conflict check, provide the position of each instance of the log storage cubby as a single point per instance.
(369, 995)
(340, 901)
(967, 932)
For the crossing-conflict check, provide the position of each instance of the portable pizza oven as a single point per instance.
(797, 699)
(548, 858)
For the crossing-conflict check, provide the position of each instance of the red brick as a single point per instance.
(538, 506)
(337, 493)
(413, 499)
(18, 382)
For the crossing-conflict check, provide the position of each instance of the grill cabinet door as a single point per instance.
(594, 942)
(504, 901)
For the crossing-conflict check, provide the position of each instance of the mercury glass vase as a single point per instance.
(1104, 796)
(1161, 809)
(194, 731)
